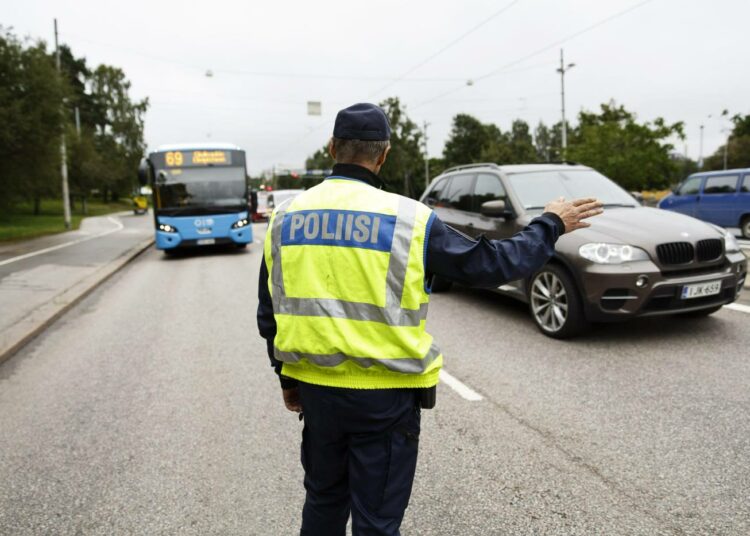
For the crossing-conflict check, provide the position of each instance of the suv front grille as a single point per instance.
(675, 253)
(709, 250)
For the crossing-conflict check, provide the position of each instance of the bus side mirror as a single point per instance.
(144, 172)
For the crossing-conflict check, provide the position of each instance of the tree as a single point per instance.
(320, 159)
(737, 146)
(403, 170)
(496, 147)
(466, 141)
(30, 121)
(119, 124)
(37, 105)
(543, 143)
(635, 155)
(521, 145)
(473, 141)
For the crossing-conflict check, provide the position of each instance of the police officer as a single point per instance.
(343, 298)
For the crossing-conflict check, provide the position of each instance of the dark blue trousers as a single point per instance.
(359, 452)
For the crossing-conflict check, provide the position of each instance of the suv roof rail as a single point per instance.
(565, 162)
(469, 166)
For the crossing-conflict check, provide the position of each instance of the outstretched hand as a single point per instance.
(572, 212)
(292, 400)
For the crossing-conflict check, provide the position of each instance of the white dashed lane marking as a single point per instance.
(738, 307)
(463, 390)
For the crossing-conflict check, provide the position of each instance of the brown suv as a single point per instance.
(632, 261)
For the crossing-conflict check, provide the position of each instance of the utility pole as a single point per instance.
(700, 151)
(562, 70)
(78, 122)
(426, 157)
(63, 152)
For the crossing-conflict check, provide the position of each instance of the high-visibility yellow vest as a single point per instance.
(346, 266)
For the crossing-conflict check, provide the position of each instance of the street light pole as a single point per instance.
(700, 151)
(63, 152)
(562, 70)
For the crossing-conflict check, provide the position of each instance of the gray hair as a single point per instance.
(359, 150)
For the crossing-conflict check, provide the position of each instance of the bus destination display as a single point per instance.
(197, 158)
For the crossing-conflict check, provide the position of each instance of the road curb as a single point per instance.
(18, 335)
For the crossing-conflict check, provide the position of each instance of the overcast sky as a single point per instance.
(684, 60)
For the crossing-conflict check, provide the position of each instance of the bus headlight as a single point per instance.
(239, 224)
(602, 253)
(167, 228)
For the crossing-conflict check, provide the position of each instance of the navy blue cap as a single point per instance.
(363, 121)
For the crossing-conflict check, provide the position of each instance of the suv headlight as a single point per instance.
(238, 224)
(603, 253)
(167, 228)
(730, 243)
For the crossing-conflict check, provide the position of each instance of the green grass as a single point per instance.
(20, 223)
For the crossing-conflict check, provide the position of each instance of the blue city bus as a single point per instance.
(200, 195)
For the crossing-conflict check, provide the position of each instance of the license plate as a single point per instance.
(701, 290)
(206, 241)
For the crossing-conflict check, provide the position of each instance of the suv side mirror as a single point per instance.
(495, 209)
(144, 172)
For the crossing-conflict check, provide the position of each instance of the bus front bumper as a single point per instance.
(166, 240)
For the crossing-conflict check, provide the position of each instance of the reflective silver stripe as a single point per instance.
(331, 308)
(399, 259)
(392, 314)
(277, 276)
(404, 365)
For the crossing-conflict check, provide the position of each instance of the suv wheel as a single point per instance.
(745, 227)
(555, 303)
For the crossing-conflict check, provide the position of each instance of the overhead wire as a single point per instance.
(446, 47)
(268, 74)
(547, 47)
(432, 56)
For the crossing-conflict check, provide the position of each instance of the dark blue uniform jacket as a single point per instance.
(450, 254)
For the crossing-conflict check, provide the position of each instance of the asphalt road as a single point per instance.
(149, 408)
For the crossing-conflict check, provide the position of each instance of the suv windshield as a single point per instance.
(538, 188)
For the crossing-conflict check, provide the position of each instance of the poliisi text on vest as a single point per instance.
(345, 228)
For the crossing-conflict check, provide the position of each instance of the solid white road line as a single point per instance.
(462, 389)
(119, 227)
(738, 307)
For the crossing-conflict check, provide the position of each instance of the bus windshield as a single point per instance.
(206, 187)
